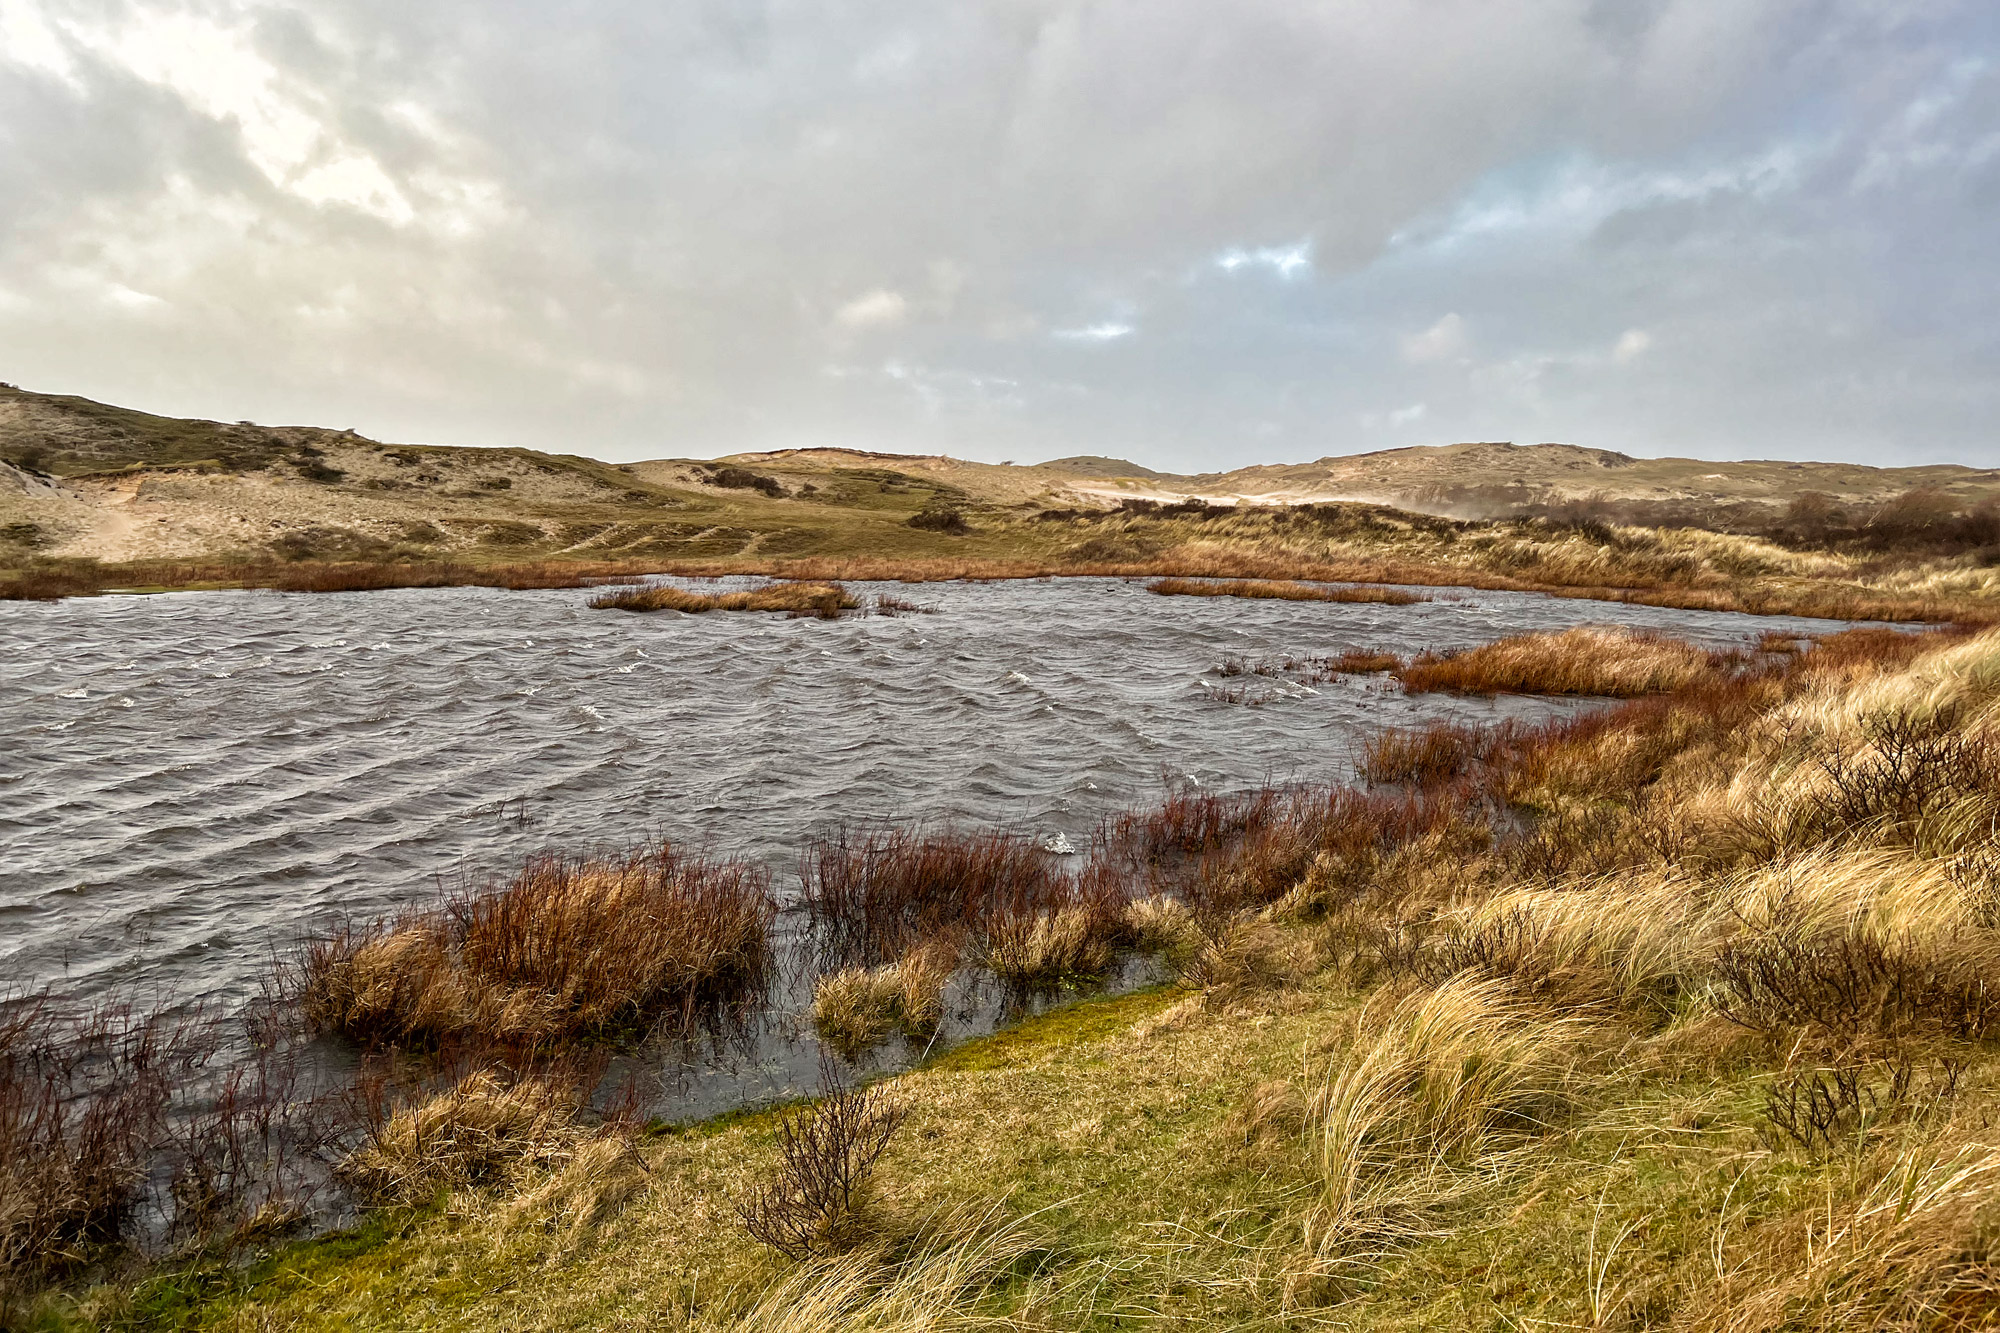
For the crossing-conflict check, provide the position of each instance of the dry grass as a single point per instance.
(80, 578)
(1610, 663)
(857, 1008)
(570, 948)
(482, 1131)
(822, 600)
(1285, 590)
(1450, 1069)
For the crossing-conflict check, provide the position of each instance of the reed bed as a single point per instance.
(1609, 663)
(1280, 590)
(570, 948)
(825, 601)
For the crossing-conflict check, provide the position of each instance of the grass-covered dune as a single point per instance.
(1680, 1015)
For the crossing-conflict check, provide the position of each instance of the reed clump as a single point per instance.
(486, 1129)
(878, 894)
(1609, 663)
(1287, 590)
(570, 948)
(857, 1008)
(824, 601)
(83, 1099)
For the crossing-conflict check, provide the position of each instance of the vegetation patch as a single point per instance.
(1609, 663)
(822, 600)
(1281, 590)
(569, 948)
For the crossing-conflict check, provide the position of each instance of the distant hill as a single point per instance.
(133, 484)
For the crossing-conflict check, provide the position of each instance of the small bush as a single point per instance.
(570, 948)
(743, 479)
(826, 1154)
(941, 520)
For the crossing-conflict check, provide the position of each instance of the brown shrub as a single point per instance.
(569, 948)
(880, 893)
(826, 1154)
(1855, 982)
(1423, 756)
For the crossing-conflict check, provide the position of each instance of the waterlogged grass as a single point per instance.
(823, 600)
(1609, 663)
(1284, 590)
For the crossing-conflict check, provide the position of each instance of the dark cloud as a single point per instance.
(1198, 237)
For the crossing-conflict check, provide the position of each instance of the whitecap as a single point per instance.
(124, 702)
(1018, 678)
(78, 693)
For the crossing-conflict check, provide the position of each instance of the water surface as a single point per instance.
(188, 781)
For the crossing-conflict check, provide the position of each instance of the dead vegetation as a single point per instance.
(1280, 590)
(824, 601)
(1610, 663)
(817, 1202)
(569, 947)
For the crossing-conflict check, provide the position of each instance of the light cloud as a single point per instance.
(880, 308)
(1288, 261)
(1110, 331)
(1442, 341)
(1631, 345)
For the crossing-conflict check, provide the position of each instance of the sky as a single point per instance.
(1196, 235)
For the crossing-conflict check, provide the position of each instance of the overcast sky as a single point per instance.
(1198, 235)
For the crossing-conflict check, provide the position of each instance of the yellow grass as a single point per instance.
(1279, 590)
(1607, 662)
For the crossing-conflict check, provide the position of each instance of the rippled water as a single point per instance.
(188, 781)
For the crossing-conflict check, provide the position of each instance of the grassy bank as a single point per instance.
(865, 535)
(1673, 1016)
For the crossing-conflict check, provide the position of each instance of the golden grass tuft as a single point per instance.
(1449, 1069)
(1043, 948)
(482, 1131)
(822, 600)
(937, 1284)
(857, 1008)
(1609, 663)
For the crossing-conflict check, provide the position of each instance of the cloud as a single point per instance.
(644, 229)
(1631, 345)
(879, 308)
(1442, 341)
(1288, 262)
(1109, 331)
